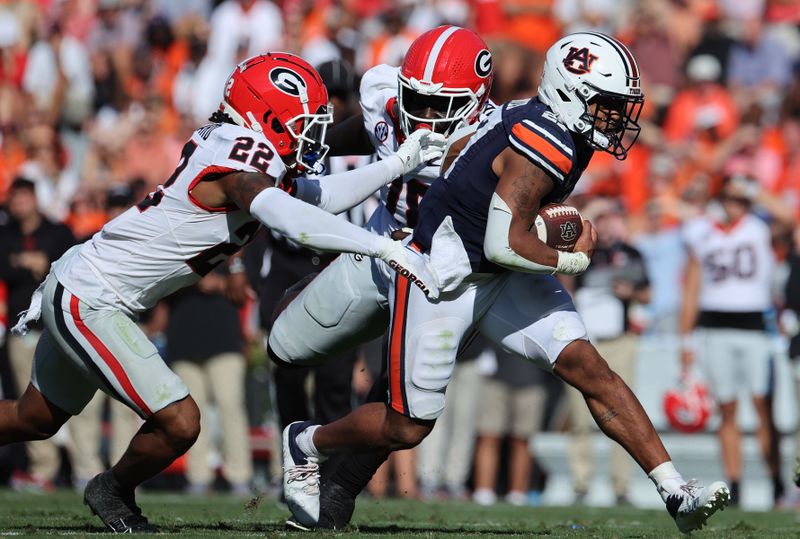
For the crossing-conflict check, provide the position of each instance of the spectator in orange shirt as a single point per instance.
(531, 23)
(704, 111)
(390, 46)
(153, 140)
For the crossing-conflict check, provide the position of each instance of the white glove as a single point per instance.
(412, 265)
(420, 147)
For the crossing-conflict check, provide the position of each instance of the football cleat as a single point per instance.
(300, 479)
(336, 507)
(693, 504)
(115, 507)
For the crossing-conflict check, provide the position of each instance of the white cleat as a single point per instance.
(693, 504)
(300, 479)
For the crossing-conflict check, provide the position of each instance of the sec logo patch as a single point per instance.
(381, 131)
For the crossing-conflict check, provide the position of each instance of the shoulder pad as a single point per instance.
(377, 85)
(238, 148)
(535, 133)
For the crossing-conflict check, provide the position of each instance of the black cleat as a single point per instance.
(115, 507)
(336, 507)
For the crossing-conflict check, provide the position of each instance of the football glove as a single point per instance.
(413, 266)
(420, 147)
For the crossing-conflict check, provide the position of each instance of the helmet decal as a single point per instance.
(483, 63)
(228, 86)
(579, 61)
(287, 81)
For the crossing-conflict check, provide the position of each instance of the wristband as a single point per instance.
(572, 263)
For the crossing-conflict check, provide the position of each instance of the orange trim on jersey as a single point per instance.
(201, 176)
(544, 147)
(726, 228)
(397, 348)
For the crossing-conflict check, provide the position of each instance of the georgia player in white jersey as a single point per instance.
(270, 128)
(443, 84)
(727, 292)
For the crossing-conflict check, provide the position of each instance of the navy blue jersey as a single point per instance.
(465, 191)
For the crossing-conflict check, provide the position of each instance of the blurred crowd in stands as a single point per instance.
(97, 98)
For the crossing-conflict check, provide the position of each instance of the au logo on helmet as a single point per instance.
(287, 81)
(579, 61)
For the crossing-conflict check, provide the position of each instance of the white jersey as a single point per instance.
(378, 97)
(736, 263)
(170, 240)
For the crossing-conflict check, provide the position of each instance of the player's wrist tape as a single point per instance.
(572, 263)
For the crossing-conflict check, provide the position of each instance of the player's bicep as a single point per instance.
(242, 187)
(522, 185)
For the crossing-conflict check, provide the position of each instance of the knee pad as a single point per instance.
(435, 359)
(430, 371)
(280, 362)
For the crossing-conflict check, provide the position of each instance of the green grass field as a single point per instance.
(224, 516)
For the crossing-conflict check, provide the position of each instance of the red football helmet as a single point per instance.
(688, 406)
(281, 95)
(444, 80)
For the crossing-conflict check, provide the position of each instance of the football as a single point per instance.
(559, 226)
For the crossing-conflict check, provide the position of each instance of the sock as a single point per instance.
(734, 488)
(357, 469)
(666, 479)
(305, 442)
(777, 488)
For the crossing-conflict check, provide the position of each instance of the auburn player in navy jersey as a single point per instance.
(525, 154)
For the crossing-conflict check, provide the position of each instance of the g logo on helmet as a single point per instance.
(287, 81)
(483, 63)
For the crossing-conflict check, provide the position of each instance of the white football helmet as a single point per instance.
(590, 68)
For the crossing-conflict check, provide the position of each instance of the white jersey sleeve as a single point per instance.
(379, 89)
(170, 239)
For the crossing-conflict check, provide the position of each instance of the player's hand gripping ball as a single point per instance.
(559, 226)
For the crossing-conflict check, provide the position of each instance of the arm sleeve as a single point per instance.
(495, 243)
(339, 192)
(312, 227)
